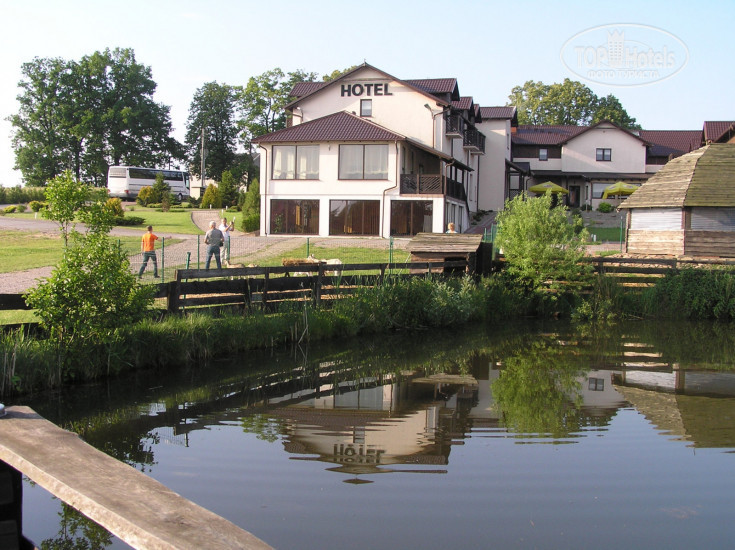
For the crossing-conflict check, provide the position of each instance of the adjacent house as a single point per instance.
(687, 208)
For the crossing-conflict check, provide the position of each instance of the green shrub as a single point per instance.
(36, 205)
(212, 197)
(251, 223)
(10, 209)
(130, 220)
(145, 196)
(114, 206)
(22, 208)
(605, 207)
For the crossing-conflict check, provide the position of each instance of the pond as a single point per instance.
(524, 435)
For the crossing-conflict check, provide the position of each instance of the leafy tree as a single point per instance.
(160, 189)
(41, 136)
(88, 115)
(66, 197)
(212, 197)
(251, 207)
(145, 196)
(568, 103)
(228, 189)
(337, 73)
(540, 244)
(212, 110)
(88, 295)
(263, 99)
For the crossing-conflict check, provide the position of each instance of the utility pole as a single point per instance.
(204, 156)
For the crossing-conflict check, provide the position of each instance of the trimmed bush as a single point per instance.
(605, 207)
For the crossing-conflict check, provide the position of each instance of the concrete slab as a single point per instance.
(134, 507)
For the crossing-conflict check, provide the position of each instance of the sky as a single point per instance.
(488, 46)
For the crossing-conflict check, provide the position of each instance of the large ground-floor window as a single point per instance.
(411, 217)
(354, 217)
(291, 217)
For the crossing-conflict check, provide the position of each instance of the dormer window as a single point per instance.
(543, 154)
(366, 107)
(604, 155)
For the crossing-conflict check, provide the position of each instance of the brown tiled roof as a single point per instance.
(464, 103)
(497, 112)
(714, 130)
(435, 85)
(340, 126)
(674, 143)
(528, 134)
(301, 89)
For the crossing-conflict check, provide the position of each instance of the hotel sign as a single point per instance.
(367, 89)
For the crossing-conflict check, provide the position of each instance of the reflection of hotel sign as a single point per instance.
(366, 89)
(356, 454)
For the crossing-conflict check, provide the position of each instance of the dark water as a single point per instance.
(520, 436)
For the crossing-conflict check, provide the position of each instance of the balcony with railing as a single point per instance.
(473, 140)
(455, 125)
(431, 184)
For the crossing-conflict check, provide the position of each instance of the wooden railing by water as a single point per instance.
(134, 507)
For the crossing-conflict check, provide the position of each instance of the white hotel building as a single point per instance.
(368, 154)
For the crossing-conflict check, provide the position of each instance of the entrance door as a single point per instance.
(574, 196)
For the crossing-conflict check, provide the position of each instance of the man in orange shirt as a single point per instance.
(148, 248)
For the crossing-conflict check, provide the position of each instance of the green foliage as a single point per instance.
(228, 189)
(568, 103)
(145, 196)
(538, 391)
(89, 294)
(66, 197)
(114, 206)
(693, 294)
(212, 111)
(251, 207)
(90, 114)
(605, 207)
(36, 205)
(130, 220)
(542, 248)
(263, 99)
(21, 208)
(212, 197)
(160, 189)
(10, 209)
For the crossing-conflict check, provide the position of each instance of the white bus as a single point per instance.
(126, 181)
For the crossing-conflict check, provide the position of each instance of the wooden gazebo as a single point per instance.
(687, 209)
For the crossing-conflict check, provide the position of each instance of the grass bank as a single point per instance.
(28, 364)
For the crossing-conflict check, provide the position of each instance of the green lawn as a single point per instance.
(609, 234)
(22, 250)
(162, 222)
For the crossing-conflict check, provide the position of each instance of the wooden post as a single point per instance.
(318, 285)
(174, 292)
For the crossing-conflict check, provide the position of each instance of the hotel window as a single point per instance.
(366, 107)
(596, 384)
(295, 162)
(354, 217)
(363, 162)
(294, 217)
(410, 217)
(604, 155)
(543, 154)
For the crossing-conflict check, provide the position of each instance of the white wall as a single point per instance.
(628, 152)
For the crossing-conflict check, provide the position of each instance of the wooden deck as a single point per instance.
(134, 507)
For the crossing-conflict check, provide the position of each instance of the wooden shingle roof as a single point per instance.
(705, 177)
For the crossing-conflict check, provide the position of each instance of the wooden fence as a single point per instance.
(266, 287)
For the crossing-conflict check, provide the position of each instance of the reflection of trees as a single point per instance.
(538, 390)
(263, 426)
(77, 532)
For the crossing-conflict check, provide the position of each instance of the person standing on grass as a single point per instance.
(214, 240)
(148, 248)
(225, 228)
